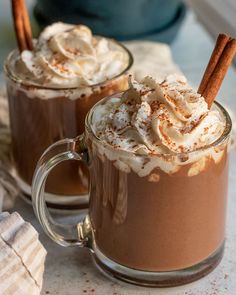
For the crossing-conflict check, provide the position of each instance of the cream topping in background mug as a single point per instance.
(68, 55)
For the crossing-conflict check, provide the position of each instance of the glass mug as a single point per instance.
(40, 116)
(152, 229)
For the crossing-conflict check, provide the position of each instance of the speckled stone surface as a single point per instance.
(70, 271)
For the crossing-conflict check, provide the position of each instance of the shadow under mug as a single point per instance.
(148, 228)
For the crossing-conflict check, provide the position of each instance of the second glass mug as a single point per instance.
(61, 112)
(154, 229)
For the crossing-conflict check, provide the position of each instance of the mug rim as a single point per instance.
(223, 137)
(27, 83)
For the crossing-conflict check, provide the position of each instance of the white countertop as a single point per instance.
(70, 271)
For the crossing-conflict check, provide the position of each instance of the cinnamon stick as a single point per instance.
(22, 25)
(219, 72)
(217, 67)
(27, 26)
(18, 25)
(215, 56)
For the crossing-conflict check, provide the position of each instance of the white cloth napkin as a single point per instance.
(8, 186)
(151, 59)
(22, 257)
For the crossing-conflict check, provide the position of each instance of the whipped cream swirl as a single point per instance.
(158, 118)
(68, 55)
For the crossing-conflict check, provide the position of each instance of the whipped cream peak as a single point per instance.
(68, 55)
(52, 30)
(158, 118)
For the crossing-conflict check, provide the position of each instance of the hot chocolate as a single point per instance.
(158, 164)
(159, 177)
(50, 91)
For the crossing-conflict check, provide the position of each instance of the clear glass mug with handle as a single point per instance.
(61, 110)
(151, 229)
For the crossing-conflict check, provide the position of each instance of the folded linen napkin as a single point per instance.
(8, 186)
(151, 59)
(22, 257)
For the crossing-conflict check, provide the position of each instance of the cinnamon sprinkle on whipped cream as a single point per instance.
(68, 55)
(158, 118)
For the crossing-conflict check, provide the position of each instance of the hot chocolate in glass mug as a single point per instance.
(51, 86)
(158, 188)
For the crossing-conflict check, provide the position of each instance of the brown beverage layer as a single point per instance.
(37, 123)
(160, 222)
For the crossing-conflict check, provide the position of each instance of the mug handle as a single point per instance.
(65, 235)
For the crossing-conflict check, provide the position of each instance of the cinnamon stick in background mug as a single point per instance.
(51, 86)
(22, 25)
